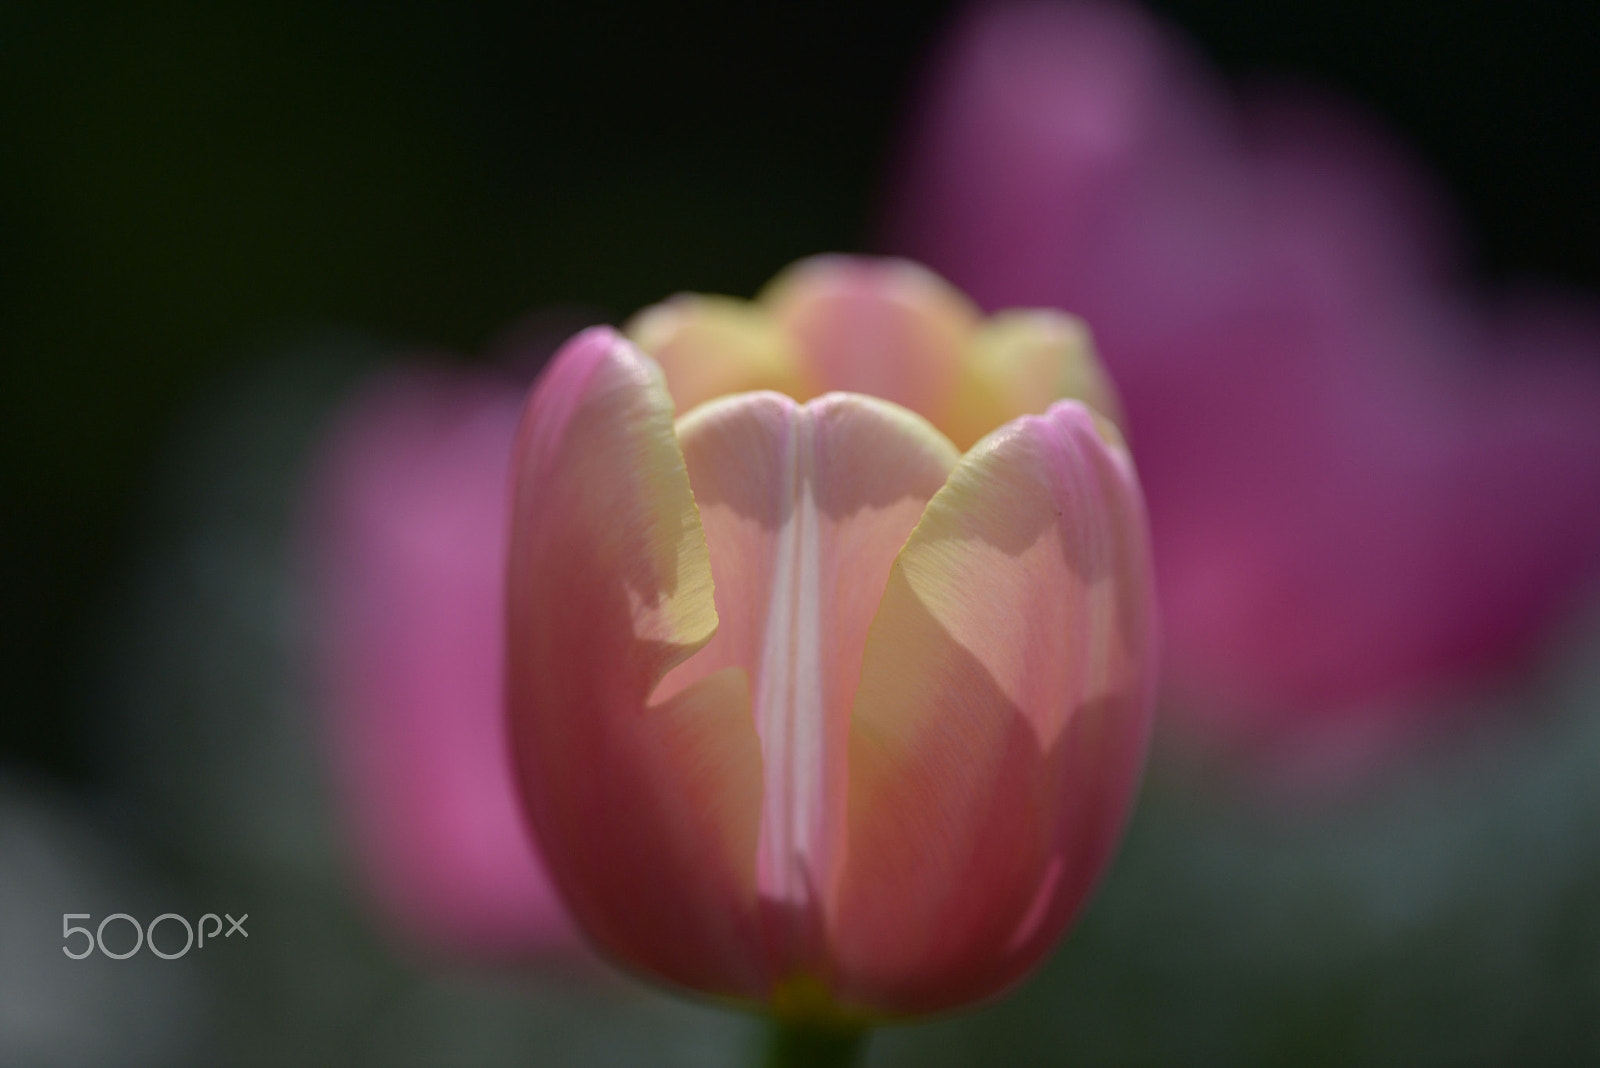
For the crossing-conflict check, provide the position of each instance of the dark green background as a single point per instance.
(184, 186)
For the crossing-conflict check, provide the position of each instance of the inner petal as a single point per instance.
(805, 508)
(885, 327)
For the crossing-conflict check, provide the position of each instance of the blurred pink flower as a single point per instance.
(406, 535)
(1365, 488)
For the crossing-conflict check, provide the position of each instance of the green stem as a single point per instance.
(805, 1045)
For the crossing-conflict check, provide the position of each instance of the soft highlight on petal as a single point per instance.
(1001, 719)
(884, 327)
(646, 815)
(1019, 362)
(710, 346)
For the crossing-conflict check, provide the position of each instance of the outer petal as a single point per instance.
(711, 346)
(646, 814)
(805, 508)
(884, 327)
(407, 536)
(1020, 362)
(1001, 720)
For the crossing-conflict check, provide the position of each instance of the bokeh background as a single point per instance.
(215, 219)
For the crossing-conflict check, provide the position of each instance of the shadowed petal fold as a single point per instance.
(647, 815)
(1001, 719)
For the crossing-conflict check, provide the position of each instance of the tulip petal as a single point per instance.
(646, 814)
(885, 327)
(711, 346)
(805, 508)
(1001, 720)
(1020, 362)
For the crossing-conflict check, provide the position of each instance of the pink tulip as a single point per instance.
(810, 709)
(407, 534)
(1363, 489)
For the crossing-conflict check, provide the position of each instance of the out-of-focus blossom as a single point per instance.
(1364, 487)
(810, 709)
(407, 537)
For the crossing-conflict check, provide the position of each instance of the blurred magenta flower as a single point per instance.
(811, 710)
(406, 533)
(1365, 488)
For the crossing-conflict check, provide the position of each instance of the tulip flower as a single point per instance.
(812, 711)
(1366, 489)
(406, 535)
